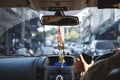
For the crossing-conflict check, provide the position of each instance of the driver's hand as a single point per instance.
(81, 66)
(116, 50)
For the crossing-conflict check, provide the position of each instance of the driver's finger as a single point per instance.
(81, 58)
(77, 66)
(117, 50)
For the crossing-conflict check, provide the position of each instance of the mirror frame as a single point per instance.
(59, 20)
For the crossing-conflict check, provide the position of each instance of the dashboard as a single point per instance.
(54, 71)
(36, 68)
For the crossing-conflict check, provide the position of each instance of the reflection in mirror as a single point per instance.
(59, 20)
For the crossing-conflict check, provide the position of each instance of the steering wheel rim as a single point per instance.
(104, 56)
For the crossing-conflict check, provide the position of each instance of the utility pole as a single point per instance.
(6, 39)
(67, 33)
(44, 36)
(23, 25)
(79, 35)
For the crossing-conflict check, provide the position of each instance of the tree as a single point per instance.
(73, 35)
(39, 36)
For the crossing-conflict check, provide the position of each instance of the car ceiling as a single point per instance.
(46, 4)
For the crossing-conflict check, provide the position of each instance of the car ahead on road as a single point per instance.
(100, 47)
(55, 49)
(117, 44)
(78, 49)
(48, 43)
(19, 23)
(72, 45)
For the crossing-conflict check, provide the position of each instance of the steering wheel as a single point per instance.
(104, 56)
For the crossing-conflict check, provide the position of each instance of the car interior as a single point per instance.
(50, 67)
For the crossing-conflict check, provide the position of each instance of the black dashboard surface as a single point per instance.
(35, 68)
(17, 69)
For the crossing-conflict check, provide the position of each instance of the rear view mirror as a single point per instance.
(59, 20)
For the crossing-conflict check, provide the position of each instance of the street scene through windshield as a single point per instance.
(22, 34)
(60, 40)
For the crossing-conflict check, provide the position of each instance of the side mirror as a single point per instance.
(60, 20)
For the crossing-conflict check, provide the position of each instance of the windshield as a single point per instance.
(21, 31)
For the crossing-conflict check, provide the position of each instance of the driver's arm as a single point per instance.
(81, 65)
(100, 69)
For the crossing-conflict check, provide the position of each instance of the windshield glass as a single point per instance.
(21, 31)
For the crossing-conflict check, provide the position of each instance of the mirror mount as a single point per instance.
(59, 13)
